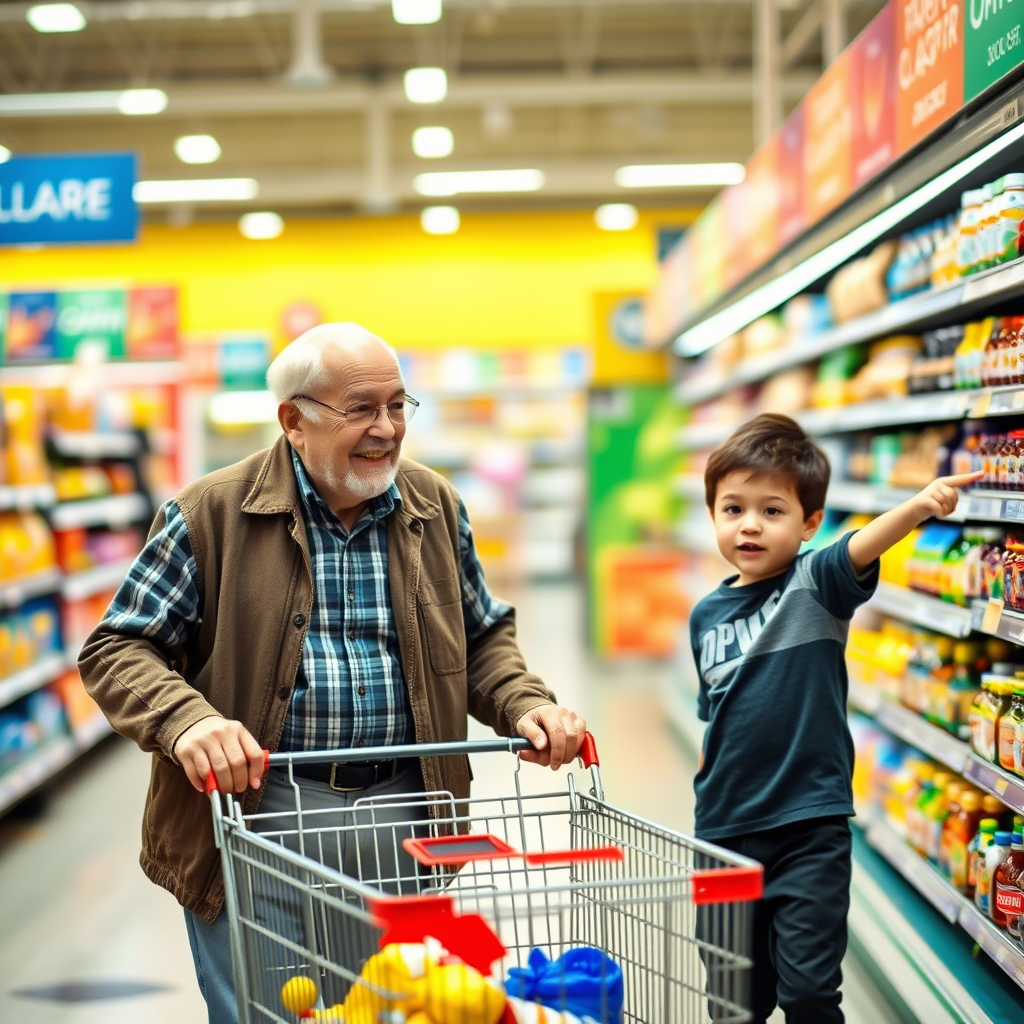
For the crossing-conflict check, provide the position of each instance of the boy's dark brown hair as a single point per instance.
(775, 445)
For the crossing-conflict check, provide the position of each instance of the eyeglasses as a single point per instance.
(362, 414)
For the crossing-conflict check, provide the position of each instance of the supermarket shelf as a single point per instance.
(27, 497)
(96, 445)
(953, 905)
(992, 506)
(992, 618)
(119, 509)
(55, 755)
(115, 374)
(31, 678)
(1001, 283)
(922, 610)
(80, 585)
(938, 744)
(18, 591)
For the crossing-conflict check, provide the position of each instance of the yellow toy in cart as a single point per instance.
(425, 991)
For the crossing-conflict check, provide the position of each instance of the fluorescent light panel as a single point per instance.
(196, 190)
(616, 217)
(426, 85)
(125, 101)
(197, 149)
(450, 183)
(261, 225)
(55, 18)
(770, 296)
(440, 220)
(5, 154)
(416, 12)
(433, 143)
(679, 175)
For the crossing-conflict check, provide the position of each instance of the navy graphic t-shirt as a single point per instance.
(773, 687)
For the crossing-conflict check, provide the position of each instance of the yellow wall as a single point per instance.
(505, 279)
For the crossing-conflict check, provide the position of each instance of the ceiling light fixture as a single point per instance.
(197, 149)
(139, 102)
(679, 175)
(416, 12)
(440, 220)
(770, 296)
(55, 18)
(124, 101)
(5, 154)
(450, 183)
(196, 190)
(616, 217)
(433, 143)
(426, 85)
(261, 225)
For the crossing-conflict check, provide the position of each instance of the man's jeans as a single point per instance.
(211, 944)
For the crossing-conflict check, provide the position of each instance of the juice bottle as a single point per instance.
(953, 795)
(984, 838)
(954, 714)
(935, 810)
(970, 214)
(995, 703)
(980, 536)
(963, 831)
(953, 578)
(995, 854)
(1011, 734)
(1013, 353)
(1013, 564)
(1007, 898)
(994, 808)
(993, 557)
(1011, 217)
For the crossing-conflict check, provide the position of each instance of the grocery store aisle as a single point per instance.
(85, 938)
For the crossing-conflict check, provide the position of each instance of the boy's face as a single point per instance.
(760, 524)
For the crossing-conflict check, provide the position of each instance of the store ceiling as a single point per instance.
(576, 88)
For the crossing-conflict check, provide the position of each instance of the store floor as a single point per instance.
(86, 939)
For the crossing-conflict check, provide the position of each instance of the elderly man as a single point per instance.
(321, 594)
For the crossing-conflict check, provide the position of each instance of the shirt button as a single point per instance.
(282, 692)
(361, 691)
(299, 619)
(351, 595)
(351, 634)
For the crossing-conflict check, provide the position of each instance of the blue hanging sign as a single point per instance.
(68, 199)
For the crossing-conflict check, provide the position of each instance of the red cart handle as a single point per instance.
(588, 752)
(211, 779)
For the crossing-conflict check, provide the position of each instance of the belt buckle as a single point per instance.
(341, 789)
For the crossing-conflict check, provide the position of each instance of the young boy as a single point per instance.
(775, 782)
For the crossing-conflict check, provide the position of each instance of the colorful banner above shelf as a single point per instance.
(134, 323)
(910, 71)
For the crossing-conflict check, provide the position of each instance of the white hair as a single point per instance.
(299, 367)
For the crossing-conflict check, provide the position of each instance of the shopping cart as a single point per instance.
(314, 894)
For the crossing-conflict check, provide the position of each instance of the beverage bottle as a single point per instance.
(935, 811)
(914, 816)
(995, 854)
(988, 221)
(1004, 453)
(964, 828)
(985, 834)
(953, 796)
(970, 212)
(994, 808)
(1013, 354)
(988, 355)
(1013, 584)
(963, 687)
(965, 453)
(1011, 217)
(1007, 899)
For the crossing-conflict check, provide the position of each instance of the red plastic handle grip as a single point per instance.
(588, 856)
(588, 751)
(211, 779)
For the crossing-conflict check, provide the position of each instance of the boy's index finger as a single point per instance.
(962, 479)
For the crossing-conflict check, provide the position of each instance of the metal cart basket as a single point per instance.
(316, 893)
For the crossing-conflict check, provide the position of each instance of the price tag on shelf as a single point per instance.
(981, 405)
(993, 616)
(1018, 399)
(991, 779)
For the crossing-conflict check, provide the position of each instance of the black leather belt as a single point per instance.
(347, 776)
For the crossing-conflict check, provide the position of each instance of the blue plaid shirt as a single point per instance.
(350, 690)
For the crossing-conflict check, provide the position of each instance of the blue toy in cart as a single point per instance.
(582, 981)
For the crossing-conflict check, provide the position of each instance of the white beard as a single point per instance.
(367, 487)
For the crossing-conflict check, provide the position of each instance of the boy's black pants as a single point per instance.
(799, 934)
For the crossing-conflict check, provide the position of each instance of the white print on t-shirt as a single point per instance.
(715, 644)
